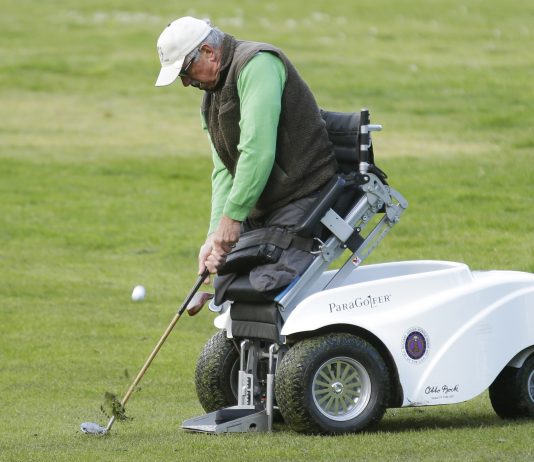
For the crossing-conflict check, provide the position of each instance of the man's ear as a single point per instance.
(205, 48)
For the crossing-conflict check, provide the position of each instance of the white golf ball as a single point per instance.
(138, 293)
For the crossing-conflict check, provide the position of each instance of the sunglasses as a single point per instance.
(183, 72)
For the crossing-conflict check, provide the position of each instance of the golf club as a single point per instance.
(190, 303)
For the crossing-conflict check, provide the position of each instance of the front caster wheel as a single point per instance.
(217, 372)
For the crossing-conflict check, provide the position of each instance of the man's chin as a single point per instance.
(207, 86)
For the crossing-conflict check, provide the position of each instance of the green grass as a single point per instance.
(104, 184)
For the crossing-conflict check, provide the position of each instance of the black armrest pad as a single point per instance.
(324, 201)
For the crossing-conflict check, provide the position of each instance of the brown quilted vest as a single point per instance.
(304, 158)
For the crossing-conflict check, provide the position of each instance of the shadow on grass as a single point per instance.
(421, 420)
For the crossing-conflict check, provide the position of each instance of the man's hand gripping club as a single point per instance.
(213, 253)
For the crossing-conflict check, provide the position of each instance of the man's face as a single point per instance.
(204, 72)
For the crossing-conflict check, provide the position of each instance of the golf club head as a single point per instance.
(91, 428)
(197, 302)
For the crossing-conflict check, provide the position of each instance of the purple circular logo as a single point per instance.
(415, 345)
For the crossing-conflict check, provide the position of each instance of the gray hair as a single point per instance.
(214, 40)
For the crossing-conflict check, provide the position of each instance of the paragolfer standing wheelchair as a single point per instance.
(238, 369)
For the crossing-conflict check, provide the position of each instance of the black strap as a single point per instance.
(280, 237)
(302, 243)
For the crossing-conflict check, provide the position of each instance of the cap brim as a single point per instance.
(169, 74)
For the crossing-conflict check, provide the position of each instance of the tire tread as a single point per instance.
(212, 373)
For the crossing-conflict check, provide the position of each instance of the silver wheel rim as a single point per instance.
(530, 385)
(341, 388)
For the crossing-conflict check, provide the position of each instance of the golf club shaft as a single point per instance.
(156, 349)
(193, 291)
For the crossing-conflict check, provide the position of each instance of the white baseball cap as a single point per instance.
(179, 38)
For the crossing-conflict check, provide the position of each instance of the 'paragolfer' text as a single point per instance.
(360, 302)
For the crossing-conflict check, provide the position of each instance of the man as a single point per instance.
(269, 143)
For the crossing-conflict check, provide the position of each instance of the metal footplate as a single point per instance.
(235, 419)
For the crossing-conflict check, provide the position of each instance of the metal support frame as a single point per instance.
(376, 197)
(251, 414)
(245, 388)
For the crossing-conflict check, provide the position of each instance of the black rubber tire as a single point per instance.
(216, 373)
(299, 375)
(512, 392)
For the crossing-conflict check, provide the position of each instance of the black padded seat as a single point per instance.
(257, 312)
(256, 320)
(241, 290)
(254, 314)
(259, 330)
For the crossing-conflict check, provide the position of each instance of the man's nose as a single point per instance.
(186, 81)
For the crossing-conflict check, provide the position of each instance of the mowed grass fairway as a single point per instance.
(104, 184)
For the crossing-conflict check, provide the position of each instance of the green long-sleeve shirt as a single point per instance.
(259, 86)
